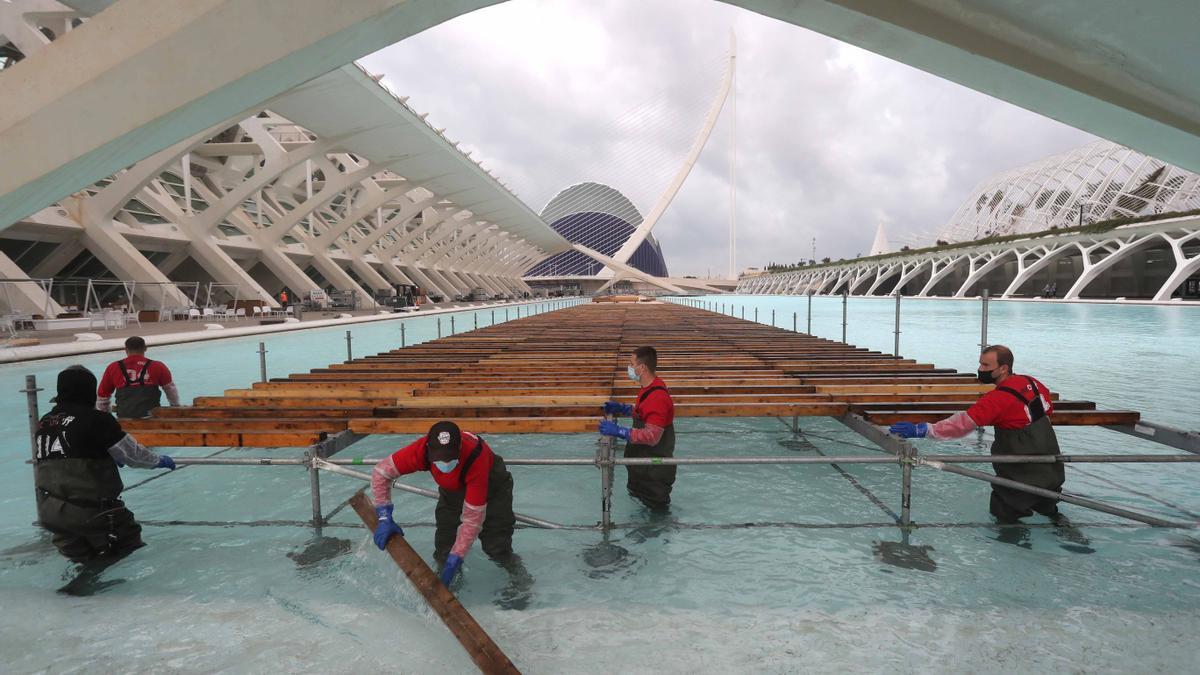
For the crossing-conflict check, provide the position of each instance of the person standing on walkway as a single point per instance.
(283, 298)
(475, 493)
(1020, 409)
(137, 382)
(652, 434)
(79, 449)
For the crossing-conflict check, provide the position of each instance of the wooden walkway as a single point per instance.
(551, 372)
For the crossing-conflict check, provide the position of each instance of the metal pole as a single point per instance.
(743, 312)
(262, 361)
(772, 318)
(326, 465)
(31, 401)
(712, 461)
(896, 352)
(1070, 499)
(475, 317)
(349, 349)
(439, 324)
(810, 314)
(402, 336)
(755, 315)
(452, 324)
(314, 486)
(493, 323)
(845, 302)
(506, 314)
(794, 322)
(983, 341)
(906, 464)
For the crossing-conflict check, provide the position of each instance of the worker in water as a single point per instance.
(138, 382)
(475, 493)
(1019, 408)
(652, 434)
(78, 486)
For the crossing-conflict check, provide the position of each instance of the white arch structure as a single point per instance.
(1136, 88)
(336, 180)
(1011, 265)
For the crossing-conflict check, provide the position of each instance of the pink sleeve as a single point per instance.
(381, 481)
(648, 435)
(956, 426)
(468, 531)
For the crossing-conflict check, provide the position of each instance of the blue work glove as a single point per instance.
(386, 527)
(610, 428)
(614, 408)
(453, 563)
(165, 462)
(909, 430)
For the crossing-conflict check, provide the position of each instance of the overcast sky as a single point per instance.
(831, 139)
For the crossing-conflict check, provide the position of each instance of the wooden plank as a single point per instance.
(552, 373)
(483, 425)
(486, 654)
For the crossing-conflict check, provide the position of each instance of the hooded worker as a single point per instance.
(79, 450)
(475, 493)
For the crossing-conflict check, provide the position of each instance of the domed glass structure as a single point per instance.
(603, 219)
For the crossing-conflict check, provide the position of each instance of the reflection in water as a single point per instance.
(607, 559)
(905, 555)
(318, 550)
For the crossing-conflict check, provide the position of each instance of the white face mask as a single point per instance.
(446, 467)
(632, 373)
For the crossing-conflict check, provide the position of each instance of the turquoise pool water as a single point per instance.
(685, 595)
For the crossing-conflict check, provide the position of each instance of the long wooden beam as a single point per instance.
(486, 654)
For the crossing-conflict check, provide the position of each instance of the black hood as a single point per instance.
(76, 385)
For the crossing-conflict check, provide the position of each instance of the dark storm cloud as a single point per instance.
(831, 139)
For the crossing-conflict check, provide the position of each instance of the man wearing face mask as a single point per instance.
(475, 493)
(653, 432)
(1020, 408)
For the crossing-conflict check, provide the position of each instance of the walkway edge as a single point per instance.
(41, 352)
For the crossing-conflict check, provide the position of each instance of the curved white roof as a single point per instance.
(1108, 180)
(591, 197)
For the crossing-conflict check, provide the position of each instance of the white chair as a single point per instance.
(193, 313)
(289, 311)
(209, 313)
(239, 314)
(256, 311)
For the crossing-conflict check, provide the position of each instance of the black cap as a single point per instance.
(444, 441)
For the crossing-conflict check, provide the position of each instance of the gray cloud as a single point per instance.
(831, 139)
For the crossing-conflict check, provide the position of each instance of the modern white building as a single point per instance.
(335, 184)
(1017, 235)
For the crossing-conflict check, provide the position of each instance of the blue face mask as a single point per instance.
(632, 373)
(446, 467)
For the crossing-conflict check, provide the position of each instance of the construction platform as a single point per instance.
(550, 373)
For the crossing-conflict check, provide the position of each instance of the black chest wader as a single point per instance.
(78, 502)
(1037, 438)
(137, 399)
(498, 523)
(651, 484)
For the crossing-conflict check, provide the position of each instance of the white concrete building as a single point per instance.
(337, 183)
